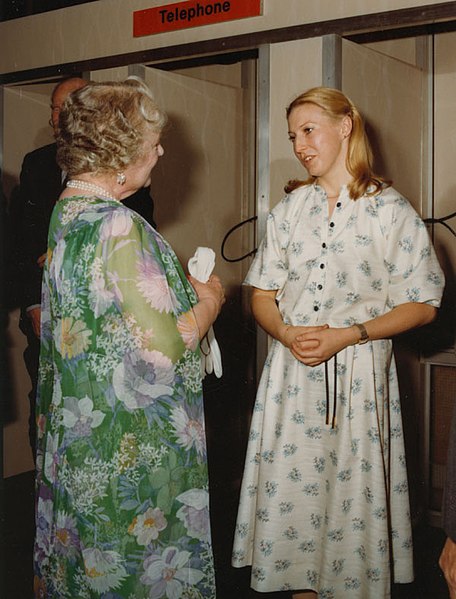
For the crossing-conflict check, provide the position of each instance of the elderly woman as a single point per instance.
(122, 485)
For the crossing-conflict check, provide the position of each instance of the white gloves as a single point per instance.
(200, 266)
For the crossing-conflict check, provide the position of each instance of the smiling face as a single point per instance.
(320, 143)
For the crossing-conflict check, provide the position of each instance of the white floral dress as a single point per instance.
(122, 506)
(324, 501)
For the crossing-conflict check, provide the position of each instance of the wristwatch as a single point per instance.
(364, 335)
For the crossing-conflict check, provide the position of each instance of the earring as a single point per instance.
(121, 178)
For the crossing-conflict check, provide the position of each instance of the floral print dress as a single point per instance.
(122, 485)
(324, 500)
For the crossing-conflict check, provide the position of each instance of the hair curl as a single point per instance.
(359, 156)
(102, 126)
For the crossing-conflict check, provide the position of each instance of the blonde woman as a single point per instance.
(346, 264)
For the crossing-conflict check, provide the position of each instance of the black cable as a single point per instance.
(225, 239)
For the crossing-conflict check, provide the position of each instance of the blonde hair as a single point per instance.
(102, 126)
(359, 156)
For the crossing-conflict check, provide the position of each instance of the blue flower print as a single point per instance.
(291, 533)
(258, 573)
(377, 285)
(278, 430)
(270, 488)
(361, 551)
(298, 417)
(289, 449)
(337, 247)
(312, 577)
(336, 535)
(406, 245)
(268, 456)
(368, 496)
(319, 464)
(295, 475)
(401, 488)
(262, 514)
(293, 275)
(316, 375)
(434, 278)
(242, 529)
(308, 546)
(390, 267)
(311, 489)
(338, 566)
(327, 593)
(382, 546)
(281, 565)
(314, 432)
(363, 240)
(266, 547)
(352, 298)
(366, 466)
(296, 247)
(365, 268)
(413, 294)
(354, 446)
(333, 457)
(284, 226)
(347, 505)
(344, 475)
(352, 584)
(285, 507)
(380, 513)
(373, 574)
(341, 279)
(373, 435)
(316, 521)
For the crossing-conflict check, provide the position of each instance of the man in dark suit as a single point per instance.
(41, 182)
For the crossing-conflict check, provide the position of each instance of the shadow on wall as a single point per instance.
(173, 180)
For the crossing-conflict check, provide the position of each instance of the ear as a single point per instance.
(346, 126)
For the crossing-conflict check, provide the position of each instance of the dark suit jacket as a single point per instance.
(40, 187)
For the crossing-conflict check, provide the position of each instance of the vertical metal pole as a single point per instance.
(332, 61)
(263, 184)
(425, 61)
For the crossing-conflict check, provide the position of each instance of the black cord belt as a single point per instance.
(333, 420)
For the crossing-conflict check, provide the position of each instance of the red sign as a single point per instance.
(192, 13)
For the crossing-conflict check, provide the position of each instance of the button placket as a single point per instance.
(322, 277)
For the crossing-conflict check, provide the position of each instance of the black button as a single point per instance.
(320, 287)
(322, 266)
(323, 245)
(339, 204)
(316, 308)
(331, 224)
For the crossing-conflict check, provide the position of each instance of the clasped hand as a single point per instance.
(314, 345)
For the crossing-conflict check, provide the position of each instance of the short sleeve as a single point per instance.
(149, 284)
(269, 269)
(414, 271)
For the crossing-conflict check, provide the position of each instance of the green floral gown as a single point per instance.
(122, 486)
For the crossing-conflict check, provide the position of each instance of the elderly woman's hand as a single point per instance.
(211, 296)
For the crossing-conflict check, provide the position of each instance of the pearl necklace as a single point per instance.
(87, 186)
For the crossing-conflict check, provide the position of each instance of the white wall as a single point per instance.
(105, 28)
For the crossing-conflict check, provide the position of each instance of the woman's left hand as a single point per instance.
(314, 348)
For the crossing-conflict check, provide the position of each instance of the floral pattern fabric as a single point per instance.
(122, 485)
(324, 504)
